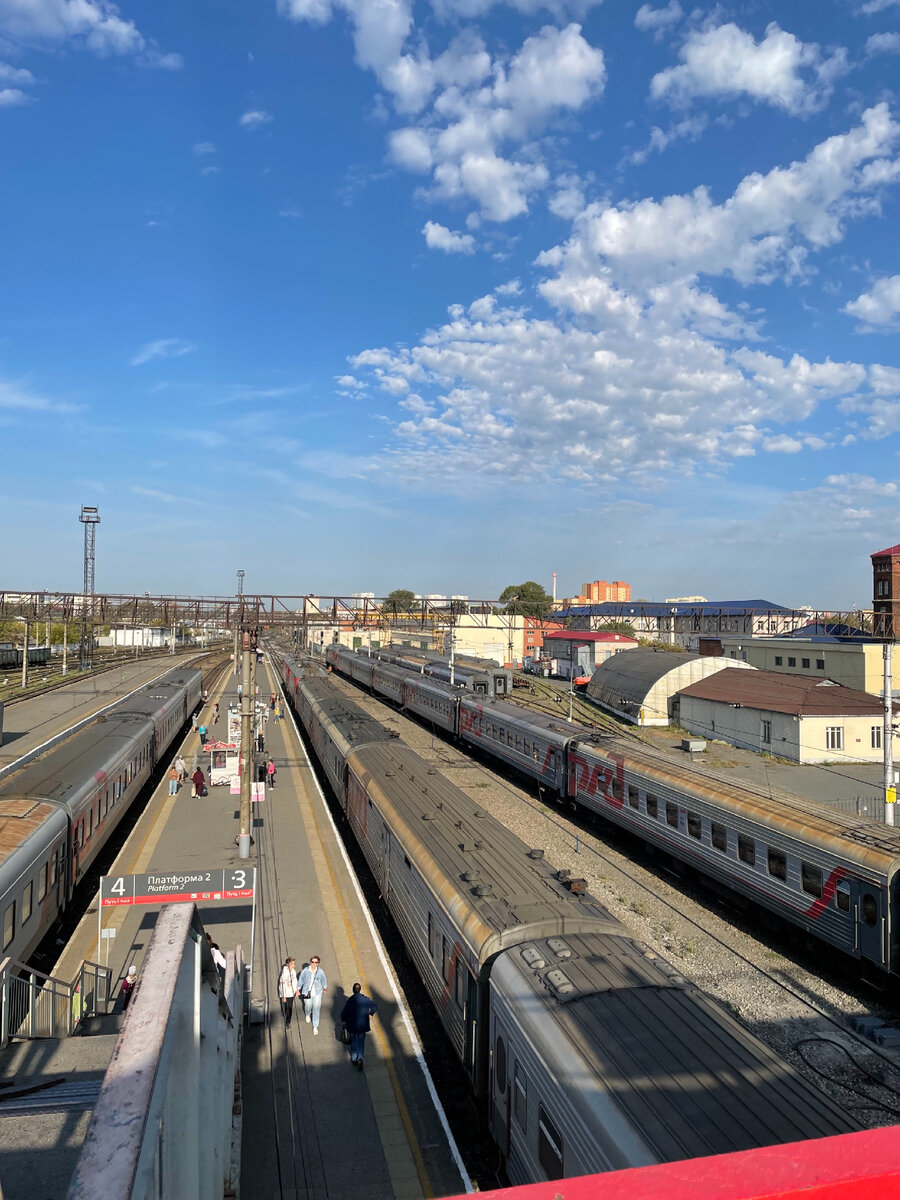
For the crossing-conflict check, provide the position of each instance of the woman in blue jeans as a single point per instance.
(312, 984)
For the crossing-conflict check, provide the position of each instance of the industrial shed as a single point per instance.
(791, 716)
(640, 685)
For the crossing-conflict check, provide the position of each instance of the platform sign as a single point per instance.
(172, 887)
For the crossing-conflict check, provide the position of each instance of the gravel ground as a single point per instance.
(770, 985)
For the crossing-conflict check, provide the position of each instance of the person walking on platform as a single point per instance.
(216, 713)
(173, 782)
(128, 986)
(199, 781)
(261, 742)
(355, 1015)
(261, 772)
(201, 729)
(270, 771)
(181, 768)
(288, 990)
(312, 984)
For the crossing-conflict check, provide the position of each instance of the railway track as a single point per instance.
(53, 679)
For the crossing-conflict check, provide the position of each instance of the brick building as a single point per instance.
(886, 588)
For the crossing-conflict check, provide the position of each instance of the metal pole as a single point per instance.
(247, 756)
(237, 635)
(65, 647)
(47, 634)
(252, 933)
(25, 658)
(890, 792)
(452, 656)
(571, 696)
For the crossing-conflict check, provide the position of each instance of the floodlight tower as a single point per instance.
(90, 519)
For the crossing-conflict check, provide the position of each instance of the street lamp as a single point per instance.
(240, 579)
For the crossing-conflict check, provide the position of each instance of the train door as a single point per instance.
(871, 924)
(471, 1018)
(500, 1089)
(385, 861)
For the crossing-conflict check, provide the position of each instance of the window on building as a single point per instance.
(550, 1146)
(9, 925)
(767, 732)
(746, 850)
(834, 737)
(778, 660)
(875, 735)
(719, 836)
(820, 664)
(672, 814)
(804, 663)
(811, 879)
(652, 805)
(694, 825)
(792, 662)
(777, 864)
(521, 1096)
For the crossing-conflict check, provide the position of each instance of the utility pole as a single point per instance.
(248, 709)
(25, 658)
(452, 655)
(90, 519)
(890, 792)
(65, 646)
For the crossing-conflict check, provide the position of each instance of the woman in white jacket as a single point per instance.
(312, 984)
(288, 989)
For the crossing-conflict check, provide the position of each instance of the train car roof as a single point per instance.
(347, 723)
(670, 1068)
(491, 883)
(516, 714)
(21, 818)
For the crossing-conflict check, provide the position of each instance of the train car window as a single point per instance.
(53, 868)
(9, 924)
(811, 880)
(550, 1147)
(842, 896)
(633, 796)
(671, 814)
(746, 850)
(461, 976)
(520, 1087)
(431, 935)
(91, 821)
(500, 1065)
(618, 789)
(535, 754)
(777, 864)
(695, 825)
(719, 836)
(446, 960)
(870, 909)
(519, 742)
(652, 805)
(42, 883)
(27, 900)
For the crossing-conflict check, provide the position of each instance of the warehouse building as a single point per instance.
(642, 684)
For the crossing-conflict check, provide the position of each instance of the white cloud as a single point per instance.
(782, 444)
(350, 382)
(437, 237)
(655, 20)
(877, 6)
(202, 148)
(10, 74)
(880, 306)
(212, 169)
(94, 24)
(410, 148)
(727, 62)
(19, 397)
(660, 139)
(291, 213)
(161, 62)
(163, 348)
(568, 200)
(883, 43)
(12, 97)
(254, 118)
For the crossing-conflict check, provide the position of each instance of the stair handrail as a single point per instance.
(38, 983)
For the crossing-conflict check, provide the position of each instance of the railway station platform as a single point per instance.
(312, 1126)
(30, 723)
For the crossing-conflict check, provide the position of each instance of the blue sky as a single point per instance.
(365, 294)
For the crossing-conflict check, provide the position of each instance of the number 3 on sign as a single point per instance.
(239, 879)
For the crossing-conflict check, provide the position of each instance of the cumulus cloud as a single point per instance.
(883, 43)
(690, 128)
(880, 306)
(656, 20)
(437, 237)
(163, 348)
(642, 372)
(10, 74)
(203, 148)
(727, 61)
(254, 118)
(92, 24)
(12, 97)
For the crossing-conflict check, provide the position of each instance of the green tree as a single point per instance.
(401, 600)
(527, 599)
(617, 627)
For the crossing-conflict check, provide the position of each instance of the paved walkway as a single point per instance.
(313, 1126)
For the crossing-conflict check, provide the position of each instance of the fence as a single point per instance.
(35, 1005)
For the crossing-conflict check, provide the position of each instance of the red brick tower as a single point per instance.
(886, 591)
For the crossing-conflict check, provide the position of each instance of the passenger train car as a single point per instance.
(832, 875)
(57, 813)
(588, 1052)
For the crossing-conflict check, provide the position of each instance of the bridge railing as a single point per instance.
(35, 1005)
(166, 1122)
